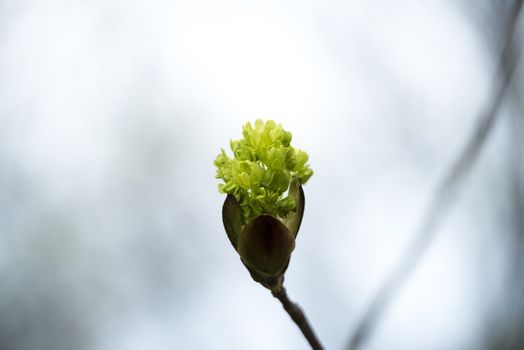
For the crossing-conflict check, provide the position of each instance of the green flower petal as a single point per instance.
(263, 165)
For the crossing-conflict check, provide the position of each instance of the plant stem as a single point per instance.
(298, 316)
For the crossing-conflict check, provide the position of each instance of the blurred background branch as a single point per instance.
(503, 330)
(450, 185)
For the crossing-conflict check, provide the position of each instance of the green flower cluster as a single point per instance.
(263, 166)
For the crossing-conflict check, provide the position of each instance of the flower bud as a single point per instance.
(265, 243)
(265, 201)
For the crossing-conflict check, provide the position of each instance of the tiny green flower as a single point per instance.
(263, 210)
(263, 166)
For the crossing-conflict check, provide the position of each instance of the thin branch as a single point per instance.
(447, 190)
(298, 316)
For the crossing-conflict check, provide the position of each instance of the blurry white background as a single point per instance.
(111, 113)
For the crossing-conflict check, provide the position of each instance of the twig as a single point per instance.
(446, 191)
(298, 316)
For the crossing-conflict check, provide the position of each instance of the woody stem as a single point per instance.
(298, 316)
